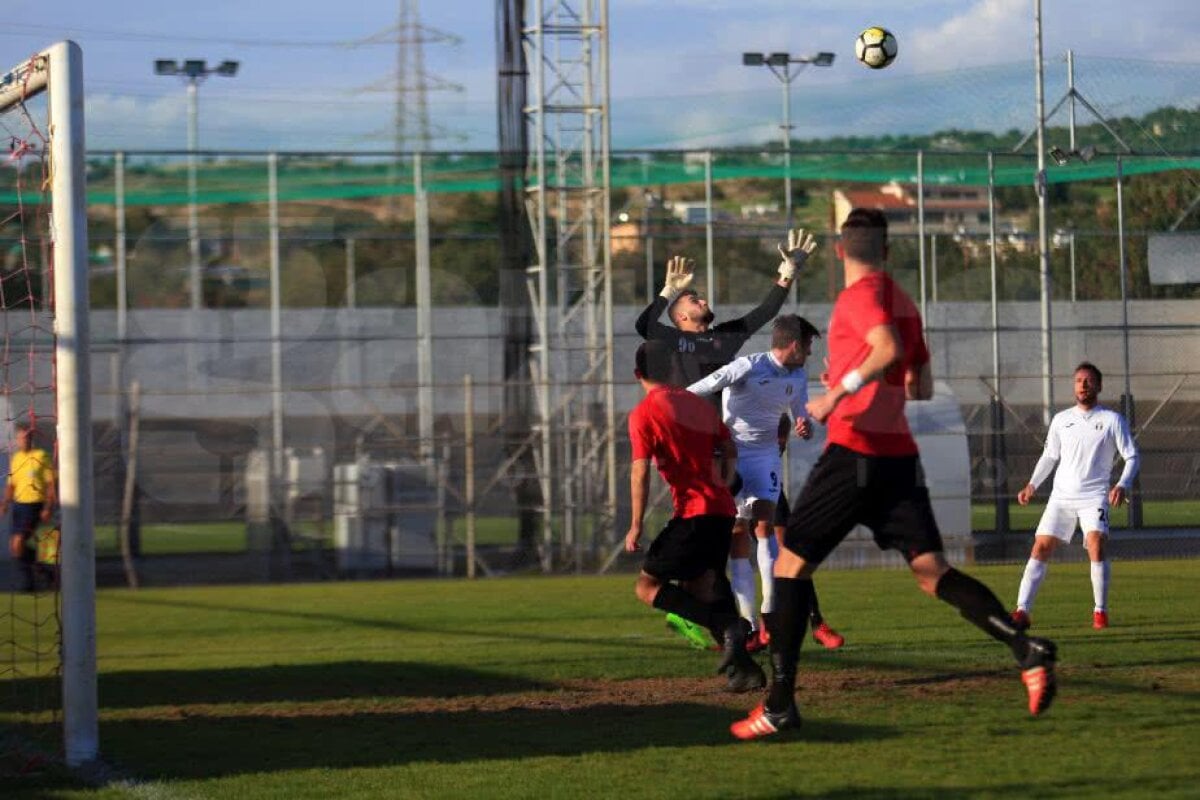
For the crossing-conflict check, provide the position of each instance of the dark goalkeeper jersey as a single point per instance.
(699, 354)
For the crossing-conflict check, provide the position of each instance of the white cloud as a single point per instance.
(988, 32)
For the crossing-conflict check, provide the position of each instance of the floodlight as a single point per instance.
(823, 59)
(778, 59)
(1059, 156)
(1087, 153)
(193, 71)
(752, 59)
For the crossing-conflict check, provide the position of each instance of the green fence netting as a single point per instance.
(163, 181)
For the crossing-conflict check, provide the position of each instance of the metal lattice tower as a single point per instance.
(570, 362)
(412, 129)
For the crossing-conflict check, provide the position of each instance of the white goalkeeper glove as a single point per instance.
(680, 272)
(795, 251)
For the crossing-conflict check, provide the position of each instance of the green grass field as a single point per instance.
(567, 687)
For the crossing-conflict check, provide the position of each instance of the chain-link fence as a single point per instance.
(301, 349)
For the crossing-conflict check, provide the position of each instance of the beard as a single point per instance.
(707, 317)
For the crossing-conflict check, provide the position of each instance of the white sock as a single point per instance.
(1031, 581)
(768, 550)
(741, 576)
(1100, 572)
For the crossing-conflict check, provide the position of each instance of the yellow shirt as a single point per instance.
(29, 473)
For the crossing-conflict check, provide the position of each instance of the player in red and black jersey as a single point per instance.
(684, 569)
(870, 474)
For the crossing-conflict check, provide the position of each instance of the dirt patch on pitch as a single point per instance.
(571, 695)
(648, 692)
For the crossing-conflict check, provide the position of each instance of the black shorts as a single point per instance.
(782, 510)
(887, 494)
(687, 548)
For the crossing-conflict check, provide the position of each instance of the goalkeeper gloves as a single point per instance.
(680, 272)
(795, 251)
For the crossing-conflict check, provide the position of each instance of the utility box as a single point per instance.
(306, 483)
(384, 518)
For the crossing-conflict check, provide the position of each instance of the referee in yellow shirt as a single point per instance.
(31, 493)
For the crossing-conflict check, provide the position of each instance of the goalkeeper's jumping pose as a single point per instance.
(703, 347)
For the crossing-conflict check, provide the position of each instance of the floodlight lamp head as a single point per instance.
(165, 66)
(752, 59)
(1087, 153)
(823, 59)
(778, 59)
(195, 67)
(1059, 156)
(227, 68)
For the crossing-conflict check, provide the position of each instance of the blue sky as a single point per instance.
(677, 78)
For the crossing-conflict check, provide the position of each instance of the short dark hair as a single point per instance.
(1092, 368)
(654, 361)
(864, 235)
(680, 296)
(789, 328)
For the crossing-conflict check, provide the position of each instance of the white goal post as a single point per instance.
(58, 71)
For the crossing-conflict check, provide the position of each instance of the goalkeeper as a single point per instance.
(702, 347)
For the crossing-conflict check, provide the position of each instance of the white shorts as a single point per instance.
(762, 475)
(1060, 516)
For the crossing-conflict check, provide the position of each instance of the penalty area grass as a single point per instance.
(567, 687)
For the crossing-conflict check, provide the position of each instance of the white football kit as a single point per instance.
(757, 390)
(1083, 445)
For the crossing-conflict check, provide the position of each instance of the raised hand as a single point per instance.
(795, 251)
(680, 272)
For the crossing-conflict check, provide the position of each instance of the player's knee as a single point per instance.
(646, 589)
(927, 584)
(928, 569)
(1043, 547)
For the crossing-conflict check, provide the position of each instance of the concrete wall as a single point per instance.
(336, 362)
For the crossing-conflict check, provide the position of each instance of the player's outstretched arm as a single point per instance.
(724, 377)
(680, 273)
(794, 251)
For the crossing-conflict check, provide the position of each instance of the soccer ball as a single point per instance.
(875, 47)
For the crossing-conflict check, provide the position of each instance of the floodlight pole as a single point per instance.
(193, 71)
(786, 81)
(780, 66)
(194, 290)
(1043, 210)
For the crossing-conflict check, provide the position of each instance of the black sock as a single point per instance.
(676, 600)
(814, 606)
(979, 606)
(723, 608)
(788, 624)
